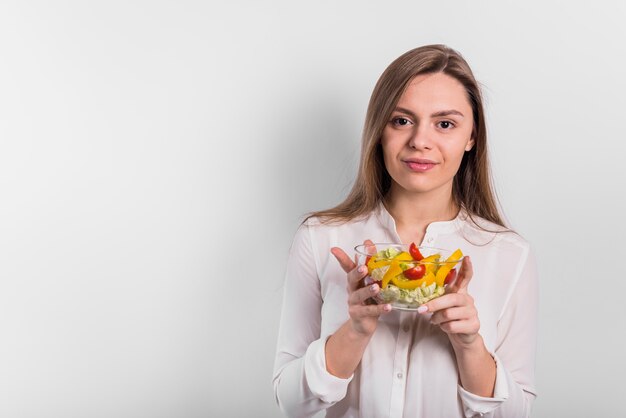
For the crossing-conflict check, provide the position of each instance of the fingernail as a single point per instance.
(422, 309)
(374, 287)
(362, 269)
(387, 308)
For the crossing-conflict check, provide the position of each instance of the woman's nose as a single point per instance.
(420, 137)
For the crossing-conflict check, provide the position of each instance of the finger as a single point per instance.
(370, 248)
(344, 261)
(465, 275)
(446, 301)
(456, 313)
(355, 277)
(359, 296)
(360, 311)
(465, 326)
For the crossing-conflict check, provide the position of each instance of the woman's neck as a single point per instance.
(413, 212)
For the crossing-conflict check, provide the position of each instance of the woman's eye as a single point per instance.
(401, 121)
(444, 124)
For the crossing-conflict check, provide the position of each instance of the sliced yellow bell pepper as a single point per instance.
(443, 271)
(376, 263)
(430, 263)
(394, 270)
(429, 278)
(431, 258)
(403, 256)
(441, 275)
(406, 284)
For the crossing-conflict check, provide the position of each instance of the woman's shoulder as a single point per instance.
(324, 233)
(476, 228)
(324, 222)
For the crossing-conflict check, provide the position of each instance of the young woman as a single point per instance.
(423, 178)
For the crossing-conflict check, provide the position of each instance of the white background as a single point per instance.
(156, 158)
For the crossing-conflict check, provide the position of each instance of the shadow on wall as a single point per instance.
(315, 156)
(312, 157)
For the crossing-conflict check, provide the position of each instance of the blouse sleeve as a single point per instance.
(302, 385)
(514, 353)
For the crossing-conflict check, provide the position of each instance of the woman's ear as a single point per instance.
(470, 144)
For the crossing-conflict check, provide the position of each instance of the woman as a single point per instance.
(423, 178)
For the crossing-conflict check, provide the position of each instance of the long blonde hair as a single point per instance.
(472, 186)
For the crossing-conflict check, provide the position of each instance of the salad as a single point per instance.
(410, 279)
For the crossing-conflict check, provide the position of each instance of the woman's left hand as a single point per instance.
(455, 312)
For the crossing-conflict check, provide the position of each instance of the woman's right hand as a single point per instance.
(363, 316)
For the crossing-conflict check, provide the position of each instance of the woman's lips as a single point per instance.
(419, 166)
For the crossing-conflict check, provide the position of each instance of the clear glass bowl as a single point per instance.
(407, 282)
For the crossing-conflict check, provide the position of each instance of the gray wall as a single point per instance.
(157, 156)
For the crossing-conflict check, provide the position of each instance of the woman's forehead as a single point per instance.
(436, 92)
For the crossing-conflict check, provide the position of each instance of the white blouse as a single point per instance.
(408, 368)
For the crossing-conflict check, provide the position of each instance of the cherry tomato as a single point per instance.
(415, 252)
(450, 277)
(415, 273)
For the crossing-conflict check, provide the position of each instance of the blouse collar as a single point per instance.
(388, 222)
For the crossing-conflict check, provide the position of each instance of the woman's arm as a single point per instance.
(345, 347)
(311, 373)
(302, 385)
(499, 384)
(516, 344)
(456, 315)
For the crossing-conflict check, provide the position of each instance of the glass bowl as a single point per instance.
(408, 275)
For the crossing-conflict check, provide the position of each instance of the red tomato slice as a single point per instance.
(450, 277)
(415, 273)
(415, 252)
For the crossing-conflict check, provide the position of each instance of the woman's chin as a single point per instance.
(421, 188)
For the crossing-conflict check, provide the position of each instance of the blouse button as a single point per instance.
(430, 240)
(406, 328)
(399, 375)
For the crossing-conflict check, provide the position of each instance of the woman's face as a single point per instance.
(427, 134)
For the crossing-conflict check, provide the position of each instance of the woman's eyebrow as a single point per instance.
(405, 111)
(434, 115)
(448, 113)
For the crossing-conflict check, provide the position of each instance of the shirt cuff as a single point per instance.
(323, 385)
(474, 404)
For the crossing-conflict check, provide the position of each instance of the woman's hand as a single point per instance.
(363, 316)
(457, 316)
(345, 348)
(455, 312)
